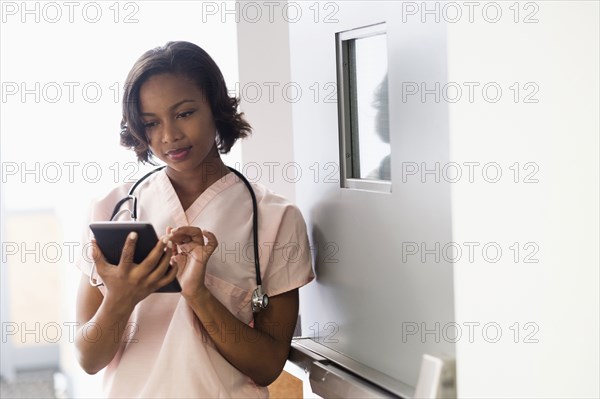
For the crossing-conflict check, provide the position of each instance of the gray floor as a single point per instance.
(29, 384)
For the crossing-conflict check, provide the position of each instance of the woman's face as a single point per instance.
(178, 122)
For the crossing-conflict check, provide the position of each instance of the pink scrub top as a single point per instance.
(165, 351)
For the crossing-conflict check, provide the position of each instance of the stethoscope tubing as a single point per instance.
(133, 213)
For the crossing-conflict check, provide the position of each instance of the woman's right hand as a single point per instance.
(128, 283)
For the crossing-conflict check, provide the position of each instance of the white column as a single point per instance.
(267, 95)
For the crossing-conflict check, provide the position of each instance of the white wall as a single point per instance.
(558, 214)
(266, 98)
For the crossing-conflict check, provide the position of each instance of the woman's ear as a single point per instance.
(216, 143)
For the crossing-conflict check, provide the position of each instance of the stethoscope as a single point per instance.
(259, 299)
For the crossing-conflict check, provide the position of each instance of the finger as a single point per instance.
(128, 249)
(153, 257)
(160, 269)
(169, 228)
(212, 239)
(180, 263)
(187, 234)
(212, 243)
(203, 254)
(187, 248)
(179, 260)
(166, 239)
(169, 277)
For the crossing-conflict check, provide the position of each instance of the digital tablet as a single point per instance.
(111, 237)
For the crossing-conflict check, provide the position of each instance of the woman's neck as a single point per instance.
(190, 184)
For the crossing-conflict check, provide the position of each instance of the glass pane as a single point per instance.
(371, 113)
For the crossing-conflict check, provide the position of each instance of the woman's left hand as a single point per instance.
(191, 256)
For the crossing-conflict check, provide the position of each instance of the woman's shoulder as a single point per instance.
(102, 206)
(267, 198)
(120, 191)
(276, 206)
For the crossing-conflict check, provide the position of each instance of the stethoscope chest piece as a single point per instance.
(259, 300)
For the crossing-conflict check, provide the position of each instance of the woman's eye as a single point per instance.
(185, 114)
(148, 125)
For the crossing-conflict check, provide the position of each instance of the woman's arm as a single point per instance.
(258, 352)
(102, 319)
(101, 324)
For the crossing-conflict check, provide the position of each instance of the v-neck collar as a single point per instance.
(187, 217)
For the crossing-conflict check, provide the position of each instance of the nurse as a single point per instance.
(204, 341)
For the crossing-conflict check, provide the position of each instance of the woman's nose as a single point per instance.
(170, 133)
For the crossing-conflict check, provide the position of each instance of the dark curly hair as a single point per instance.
(191, 61)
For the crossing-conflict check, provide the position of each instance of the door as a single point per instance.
(384, 289)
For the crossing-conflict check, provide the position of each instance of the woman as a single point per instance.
(204, 341)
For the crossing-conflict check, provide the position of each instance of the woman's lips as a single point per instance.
(179, 154)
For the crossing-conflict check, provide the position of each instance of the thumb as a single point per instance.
(99, 260)
(97, 255)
